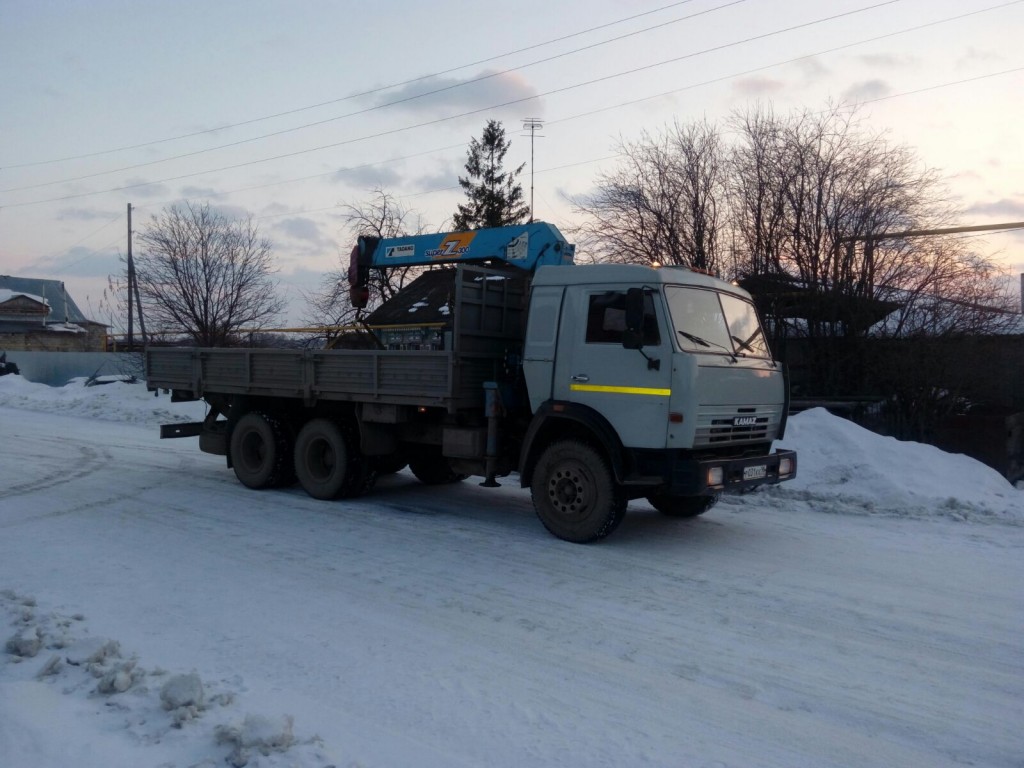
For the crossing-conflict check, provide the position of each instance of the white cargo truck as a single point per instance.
(596, 384)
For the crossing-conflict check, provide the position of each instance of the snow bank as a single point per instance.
(117, 401)
(856, 470)
(112, 711)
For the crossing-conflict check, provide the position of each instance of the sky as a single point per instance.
(290, 111)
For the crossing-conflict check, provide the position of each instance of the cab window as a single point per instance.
(606, 319)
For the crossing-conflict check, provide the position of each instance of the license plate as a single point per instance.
(756, 472)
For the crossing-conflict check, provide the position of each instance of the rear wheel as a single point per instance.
(575, 494)
(682, 506)
(431, 468)
(327, 461)
(390, 464)
(260, 451)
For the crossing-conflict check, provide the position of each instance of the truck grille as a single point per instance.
(727, 425)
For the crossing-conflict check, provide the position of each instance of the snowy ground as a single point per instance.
(153, 612)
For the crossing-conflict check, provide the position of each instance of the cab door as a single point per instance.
(629, 387)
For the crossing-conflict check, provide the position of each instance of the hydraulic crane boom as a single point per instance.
(525, 246)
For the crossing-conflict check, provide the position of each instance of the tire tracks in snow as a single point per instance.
(70, 468)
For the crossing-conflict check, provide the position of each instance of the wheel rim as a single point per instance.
(253, 450)
(321, 459)
(568, 491)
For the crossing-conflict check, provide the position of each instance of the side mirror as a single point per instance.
(633, 336)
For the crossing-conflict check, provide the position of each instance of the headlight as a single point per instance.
(785, 466)
(716, 475)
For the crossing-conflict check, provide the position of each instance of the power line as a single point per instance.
(804, 57)
(355, 95)
(581, 162)
(706, 82)
(469, 113)
(374, 108)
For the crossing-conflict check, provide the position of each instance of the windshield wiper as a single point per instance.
(742, 344)
(694, 339)
(705, 343)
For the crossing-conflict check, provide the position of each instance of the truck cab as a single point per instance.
(665, 372)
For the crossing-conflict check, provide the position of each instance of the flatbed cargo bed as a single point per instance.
(487, 317)
(401, 377)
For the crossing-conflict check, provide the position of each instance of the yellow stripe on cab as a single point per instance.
(620, 390)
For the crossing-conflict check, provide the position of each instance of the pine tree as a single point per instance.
(495, 197)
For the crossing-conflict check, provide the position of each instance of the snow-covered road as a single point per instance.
(425, 626)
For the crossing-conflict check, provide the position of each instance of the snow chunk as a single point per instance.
(259, 733)
(120, 678)
(26, 643)
(182, 691)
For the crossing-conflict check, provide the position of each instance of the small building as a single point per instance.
(39, 316)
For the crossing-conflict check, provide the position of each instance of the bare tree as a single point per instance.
(664, 203)
(381, 216)
(803, 186)
(205, 275)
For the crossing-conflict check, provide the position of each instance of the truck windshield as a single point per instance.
(709, 321)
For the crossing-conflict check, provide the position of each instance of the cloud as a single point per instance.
(866, 90)
(758, 86)
(368, 177)
(198, 193)
(83, 214)
(442, 178)
(300, 228)
(975, 56)
(231, 212)
(434, 95)
(273, 209)
(81, 262)
(885, 60)
(1007, 208)
(142, 188)
(812, 68)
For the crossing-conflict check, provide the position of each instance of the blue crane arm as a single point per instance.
(526, 246)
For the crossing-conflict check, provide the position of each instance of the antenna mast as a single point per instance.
(532, 124)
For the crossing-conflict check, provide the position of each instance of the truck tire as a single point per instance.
(389, 465)
(431, 468)
(260, 451)
(682, 506)
(327, 461)
(575, 493)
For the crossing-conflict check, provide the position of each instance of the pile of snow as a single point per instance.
(56, 667)
(115, 401)
(852, 470)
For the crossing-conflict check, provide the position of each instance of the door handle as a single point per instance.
(581, 378)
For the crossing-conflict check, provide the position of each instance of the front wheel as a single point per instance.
(327, 461)
(682, 506)
(575, 494)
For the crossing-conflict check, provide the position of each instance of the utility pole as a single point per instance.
(532, 124)
(131, 283)
(133, 293)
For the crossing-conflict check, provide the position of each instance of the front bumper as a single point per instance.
(680, 474)
(737, 475)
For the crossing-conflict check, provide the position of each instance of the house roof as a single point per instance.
(6, 295)
(52, 292)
